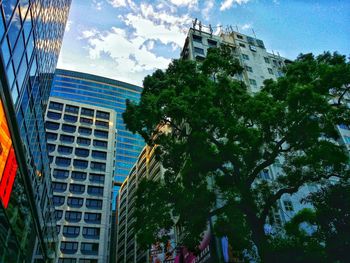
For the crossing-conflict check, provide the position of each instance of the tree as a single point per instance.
(223, 137)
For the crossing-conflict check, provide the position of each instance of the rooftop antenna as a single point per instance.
(237, 28)
(194, 23)
(211, 30)
(200, 26)
(253, 32)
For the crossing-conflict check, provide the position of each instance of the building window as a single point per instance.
(66, 138)
(267, 60)
(53, 115)
(52, 125)
(64, 149)
(51, 136)
(85, 131)
(252, 82)
(71, 231)
(244, 56)
(270, 70)
(83, 141)
(101, 124)
(99, 155)
(72, 216)
(260, 43)
(75, 202)
(241, 45)
(59, 187)
(79, 176)
(67, 260)
(84, 260)
(197, 39)
(347, 139)
(77, 188)
(87, 112)
(58, 214)
(60, 174)
(199, 50)
(91, 232)
(55, 106)
(70, 118)
(69, 247)
(239, 36)
(89, 248)
(92, 218)
(86, 121)
(343, 126)
(101, 134)
(95, 190)
(99, 143)
(98, 166)
(93, 204)
(51, 147)
(212, 43)
(102, 115)
(96, 178)
(288, 205)
(80, 164)
(68, 128)
(72, 109)
(58, 200)
(60, 161)
(250, 69)
(82, 152)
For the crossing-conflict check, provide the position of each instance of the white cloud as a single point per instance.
(88, 33)
(208, 6)
(246, 26)
(97, 5)
(227, 4)
(117, 3)
(189, 3)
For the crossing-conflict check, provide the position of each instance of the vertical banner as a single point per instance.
(8, 163)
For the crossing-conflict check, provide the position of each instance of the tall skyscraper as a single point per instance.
(30, 39)
(81, 145)
(107, 93)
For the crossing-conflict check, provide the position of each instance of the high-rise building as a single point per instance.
(31, 34)
(107, 93)
(81, 145)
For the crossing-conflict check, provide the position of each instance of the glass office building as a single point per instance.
(108, 93)
(31, 33)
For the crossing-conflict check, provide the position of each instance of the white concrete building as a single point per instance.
(81, 146)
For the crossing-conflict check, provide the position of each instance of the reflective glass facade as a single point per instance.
(108, 93)
(31, 33)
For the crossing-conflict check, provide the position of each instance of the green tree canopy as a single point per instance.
(223, 137)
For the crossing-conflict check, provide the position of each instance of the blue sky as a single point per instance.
(128, 39)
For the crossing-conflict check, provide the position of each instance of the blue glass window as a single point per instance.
(94, 204)
(95, 190)
(75, 202)
(59, 187)
(86, 121)
(14, 28)
(92, 218)
(51, 136)
(77, 188)
(91, 232)
(101, 124)
(52, 125)
(67, 260)
(58, 200)
(60, 174)
(60, 161)
(80, 164)
(102, 144)
(8, 7)
(80, 176)
(98, 166)
(53, 115)
(70, 118)
(85, 131)
(72, 109)
(82, 152)
(58, 214)
(83, 141)
(96, 178)
(71, 231)
(89, 248)
(55, 106)
(69, 247)
(99, 155)
(64, 149)
(18, 53)
(68, 128)
(50, 147)
(66, 138)
(73, 216)
(87, 112)
(101, 134)
(102, 115)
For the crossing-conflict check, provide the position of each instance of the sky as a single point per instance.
(127, 40)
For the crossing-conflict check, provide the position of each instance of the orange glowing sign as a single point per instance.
(8, 163)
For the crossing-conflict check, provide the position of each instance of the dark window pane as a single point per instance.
(81, 176)
(95, 190)
(77, 188)
(75, 202)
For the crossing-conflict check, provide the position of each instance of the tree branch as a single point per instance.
(347, 89)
